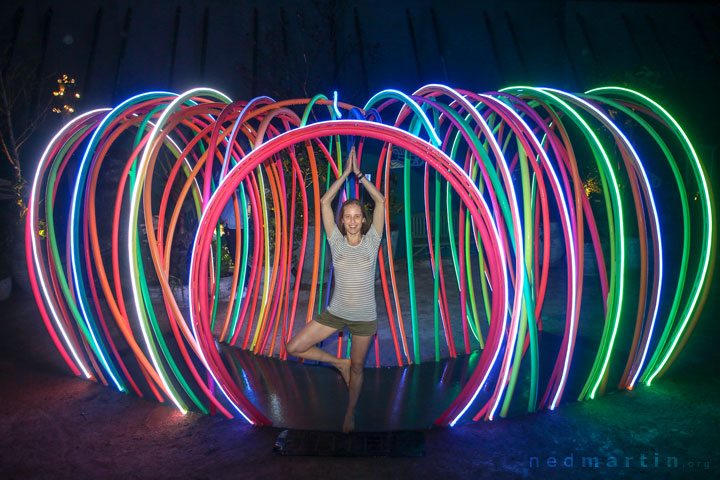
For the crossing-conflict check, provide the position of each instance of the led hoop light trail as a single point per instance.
(508, 164)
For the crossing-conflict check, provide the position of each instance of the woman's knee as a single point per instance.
(292, 347)
(356, 368)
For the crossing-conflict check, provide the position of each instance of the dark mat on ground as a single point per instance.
(357, 444)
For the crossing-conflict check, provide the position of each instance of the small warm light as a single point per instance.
(592, 185)
(67, 85)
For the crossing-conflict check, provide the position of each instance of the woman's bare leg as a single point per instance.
(303, 345)
(358, 352)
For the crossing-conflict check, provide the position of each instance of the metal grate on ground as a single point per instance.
(357, 444)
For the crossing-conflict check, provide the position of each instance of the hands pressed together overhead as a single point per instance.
(352, 163)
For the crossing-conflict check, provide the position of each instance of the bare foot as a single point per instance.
(349, 424)
(344, 367)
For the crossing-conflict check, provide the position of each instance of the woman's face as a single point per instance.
(352, 219)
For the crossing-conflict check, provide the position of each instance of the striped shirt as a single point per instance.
(354, 274)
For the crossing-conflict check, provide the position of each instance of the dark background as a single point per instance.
(288, 49)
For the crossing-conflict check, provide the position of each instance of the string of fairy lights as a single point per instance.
(119, 192)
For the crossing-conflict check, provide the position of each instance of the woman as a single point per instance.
(354, 243)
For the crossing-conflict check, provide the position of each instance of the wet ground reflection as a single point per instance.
(304, 396)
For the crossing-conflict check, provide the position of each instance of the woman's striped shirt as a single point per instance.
(354, 276)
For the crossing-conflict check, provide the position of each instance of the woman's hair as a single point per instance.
(366, 218)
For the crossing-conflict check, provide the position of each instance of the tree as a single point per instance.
(20, 115)
(25, 101)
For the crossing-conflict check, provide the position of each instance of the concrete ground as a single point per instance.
(53, 425)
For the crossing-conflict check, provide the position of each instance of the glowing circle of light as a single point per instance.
(507, 163)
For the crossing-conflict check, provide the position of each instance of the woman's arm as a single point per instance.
(328, 216)
(377, 196)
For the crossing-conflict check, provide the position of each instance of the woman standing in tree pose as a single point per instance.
(354, 243)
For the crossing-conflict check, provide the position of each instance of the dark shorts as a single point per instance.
(362, 329)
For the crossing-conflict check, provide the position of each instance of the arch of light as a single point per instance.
(505, 161)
